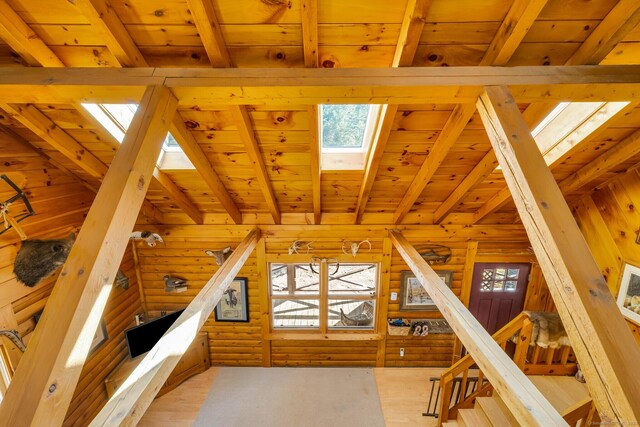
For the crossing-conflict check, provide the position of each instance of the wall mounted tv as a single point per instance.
(141, 339)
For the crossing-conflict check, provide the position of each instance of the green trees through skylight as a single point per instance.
(343, 126)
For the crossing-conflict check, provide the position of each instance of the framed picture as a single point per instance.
(629, 294)
(234, 305)
(414, 296)
(100, 337)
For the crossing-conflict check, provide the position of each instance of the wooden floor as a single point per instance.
(404, 393)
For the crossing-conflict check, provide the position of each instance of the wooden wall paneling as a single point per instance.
(383, 300)
(509, 382)
(140, 388)
(587, 310)
(129, 177)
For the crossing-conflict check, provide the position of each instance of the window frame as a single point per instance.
(324, 331)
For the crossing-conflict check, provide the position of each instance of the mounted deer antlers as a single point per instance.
(354, 247)
(297, 245)
(316, 260)
(220, 256)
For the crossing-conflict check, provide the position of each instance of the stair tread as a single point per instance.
(452, 423)
(496, 411)
(473, 418)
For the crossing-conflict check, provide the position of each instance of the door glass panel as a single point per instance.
(498, 285)
(501, 273)
(510, 285)
(512, 273)
(486, 286)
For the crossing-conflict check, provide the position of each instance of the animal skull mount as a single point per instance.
(220, 256)
(316, 260)
(148, 236)
(353, 247)
(298, 245)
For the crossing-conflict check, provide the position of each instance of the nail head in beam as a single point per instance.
(524, 400)
(602, 342)
(134, 396)
(42, 388)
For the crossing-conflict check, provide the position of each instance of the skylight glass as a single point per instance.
(344, 126)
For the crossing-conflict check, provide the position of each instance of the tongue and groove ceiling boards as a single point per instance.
(260, 162)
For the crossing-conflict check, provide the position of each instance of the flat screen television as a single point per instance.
(142, 338)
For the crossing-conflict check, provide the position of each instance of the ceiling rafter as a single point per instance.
(23, 40)
(209, 30)
(514, 27)
(309, 20)
(104, 19)
(622, 19)
(408, 40)
(199, 159)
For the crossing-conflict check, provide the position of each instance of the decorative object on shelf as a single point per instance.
(11, 221)
(100, 337)
(220, 256)
(148, 236)
(298, 245)
(398, 327)
(353, 247)
(174, 284)
(121, 281)
(234, 305)
(316, 260)
(38, 259)
(629, 293)
(434, 254)
(424, 327)
(414, 296)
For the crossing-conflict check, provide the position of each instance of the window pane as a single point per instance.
(294, 279)
(343, 126)
(353, 279)
(510, 285)
(351, 314)
(501, 273)
(498, 285)
(513, 273)
(296, 313)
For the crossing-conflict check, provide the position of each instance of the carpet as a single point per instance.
(283, 397)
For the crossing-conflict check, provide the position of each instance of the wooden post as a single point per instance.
(523, 399)
(134, 396)
(43, 386)
(265, 304)
(599, 335)
(383, 301)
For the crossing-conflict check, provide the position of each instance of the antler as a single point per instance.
(350, 246)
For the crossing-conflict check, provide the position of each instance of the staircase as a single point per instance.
(464, 403)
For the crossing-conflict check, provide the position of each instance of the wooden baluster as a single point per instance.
(536, 355)
(550, 353)
(446, 381)
(522, 345)
(564, 354)
(463, 386)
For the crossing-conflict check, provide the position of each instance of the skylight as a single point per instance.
(346, 131)
(116, 119)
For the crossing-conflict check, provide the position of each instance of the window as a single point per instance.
(116, 119)
(346, 132)
(346, 299)
(499, 279)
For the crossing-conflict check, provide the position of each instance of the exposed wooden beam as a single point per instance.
(497, 201)
(478, 174)
(316, 160)
(23, 40)
(37, 122)
(199, 159)
(622, 19)
(245, 129)
(134, 396)
(622, 151)
(176, 195)
(104, 19)
(524, 400)
(599, 335)
(44, 383)
(309, 19)
(448, 136)
(514, 27)
(204, 17)
(408, 40)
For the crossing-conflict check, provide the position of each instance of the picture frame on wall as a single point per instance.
(100, 337)
(234, 305)
(414, 297)
(629, 293)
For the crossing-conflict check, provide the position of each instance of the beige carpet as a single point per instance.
(282, 397)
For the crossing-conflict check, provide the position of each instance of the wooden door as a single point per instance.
(497, 293)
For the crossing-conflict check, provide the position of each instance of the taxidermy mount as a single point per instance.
(38, 259)
(220, 256)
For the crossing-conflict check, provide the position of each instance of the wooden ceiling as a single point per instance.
(431, 162)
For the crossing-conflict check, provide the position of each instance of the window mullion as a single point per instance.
(324, 296)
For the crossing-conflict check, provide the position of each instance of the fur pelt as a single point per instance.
(38, 259)
(548, 330)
